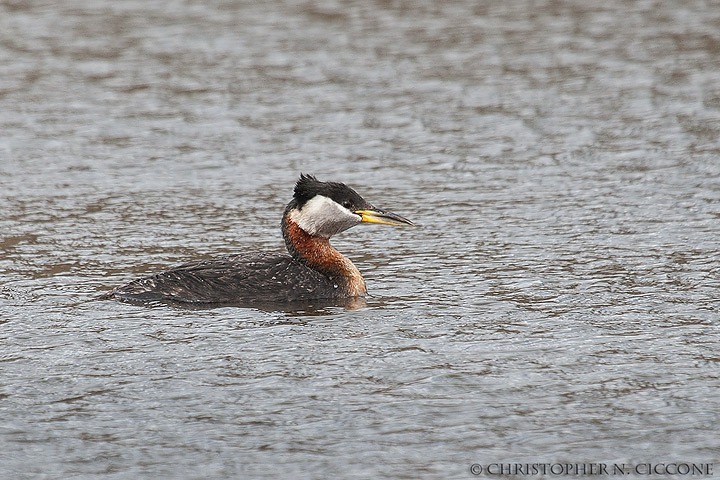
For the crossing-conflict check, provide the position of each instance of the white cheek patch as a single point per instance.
(324, 217)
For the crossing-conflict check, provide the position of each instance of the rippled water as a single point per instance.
(558, 303)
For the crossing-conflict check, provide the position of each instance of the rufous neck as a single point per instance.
(317, 253)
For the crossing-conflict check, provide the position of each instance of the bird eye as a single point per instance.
(347, 204)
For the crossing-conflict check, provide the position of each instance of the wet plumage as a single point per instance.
(312, 270)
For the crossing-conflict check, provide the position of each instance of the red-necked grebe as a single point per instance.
(314, 270)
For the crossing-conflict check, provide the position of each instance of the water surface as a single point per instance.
(558, 303)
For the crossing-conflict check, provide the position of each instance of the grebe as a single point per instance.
(314, 270)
